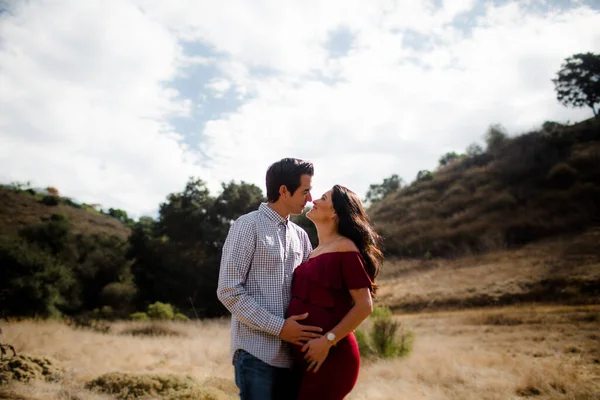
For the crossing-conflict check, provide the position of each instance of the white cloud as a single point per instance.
(219, 86)
(388, 115)
(85, 89)
(84, 105)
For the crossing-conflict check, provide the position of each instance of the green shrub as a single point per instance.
(139, 316)
(106, 312)
(160, 310)
(51, 200)
(180, 317)
(118, 294)
(385, 341)
(386, 338)
(364, 346)
(381, 312)
(69, 202)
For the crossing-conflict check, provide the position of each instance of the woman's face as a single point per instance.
(322, 209)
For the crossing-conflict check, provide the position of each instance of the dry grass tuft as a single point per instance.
(24, 368)
(170, 387)
(153, 329)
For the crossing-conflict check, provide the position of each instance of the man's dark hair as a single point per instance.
(286, 171)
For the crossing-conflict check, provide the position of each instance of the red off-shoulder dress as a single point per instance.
(321, 287)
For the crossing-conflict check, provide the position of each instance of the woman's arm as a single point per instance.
(317, 349)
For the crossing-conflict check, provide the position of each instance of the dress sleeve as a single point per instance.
(353, 272)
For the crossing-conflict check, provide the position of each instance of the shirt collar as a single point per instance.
(273, 215)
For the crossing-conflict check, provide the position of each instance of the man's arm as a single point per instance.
(238, 252)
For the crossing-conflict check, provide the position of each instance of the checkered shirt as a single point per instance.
(260, 254)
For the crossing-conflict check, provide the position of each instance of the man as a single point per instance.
(260, 254)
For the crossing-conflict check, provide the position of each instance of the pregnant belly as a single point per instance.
(317, 315)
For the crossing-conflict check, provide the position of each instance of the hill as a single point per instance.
(21, 208)
(564, 270)
(538, 185)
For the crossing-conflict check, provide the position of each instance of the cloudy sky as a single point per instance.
(119, 102)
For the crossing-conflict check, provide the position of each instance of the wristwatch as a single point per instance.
(331, 338)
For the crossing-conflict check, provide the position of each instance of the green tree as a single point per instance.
(424, 175)
(121, 215)
(578, 81)
(389, 185)
(235, 200)
(495, 136)
(176, 259)
(448, 158)
(474, 149)
(32, 281)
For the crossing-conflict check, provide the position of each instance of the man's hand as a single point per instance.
(296, 333)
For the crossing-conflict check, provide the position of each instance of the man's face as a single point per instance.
(297, 202)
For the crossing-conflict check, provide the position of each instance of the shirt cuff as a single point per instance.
(276, 326)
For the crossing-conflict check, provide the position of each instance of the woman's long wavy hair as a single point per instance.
(354, 224)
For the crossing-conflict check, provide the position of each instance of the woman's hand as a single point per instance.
(316, 352)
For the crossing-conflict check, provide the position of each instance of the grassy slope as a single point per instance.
(18, 210)
(535, 186)
(563, 270)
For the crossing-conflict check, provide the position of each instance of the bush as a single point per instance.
(167, 387)
(50, 200)
(180, 317)
(562, 176)
(69, 202)
(381, 312)
(32, 281)
(118, 294)
(501, 201)
(160, 311)
(364, 346)
(153, 329)
(386, 338)
(139, 316)
(24, 368)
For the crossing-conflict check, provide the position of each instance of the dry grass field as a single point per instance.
(538, 352)
(519, 324)
(558, 271)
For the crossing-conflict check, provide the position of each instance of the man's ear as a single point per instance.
(283, 190)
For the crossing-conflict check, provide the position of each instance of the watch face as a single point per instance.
(330, 336)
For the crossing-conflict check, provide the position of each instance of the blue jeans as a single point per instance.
(258, 380)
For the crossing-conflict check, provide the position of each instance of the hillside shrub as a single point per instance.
(386, 338)
(119, 295)
(160, 311)
(139, 316)
(50, 200)
(500, 201)
(180, 317)
(562, 176)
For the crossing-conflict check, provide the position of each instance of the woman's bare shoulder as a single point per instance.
(345, 244)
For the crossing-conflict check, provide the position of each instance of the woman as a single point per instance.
(335, 286)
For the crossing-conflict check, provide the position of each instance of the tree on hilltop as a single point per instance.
(578, 81)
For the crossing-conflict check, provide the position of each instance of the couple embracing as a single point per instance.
(294, 308)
